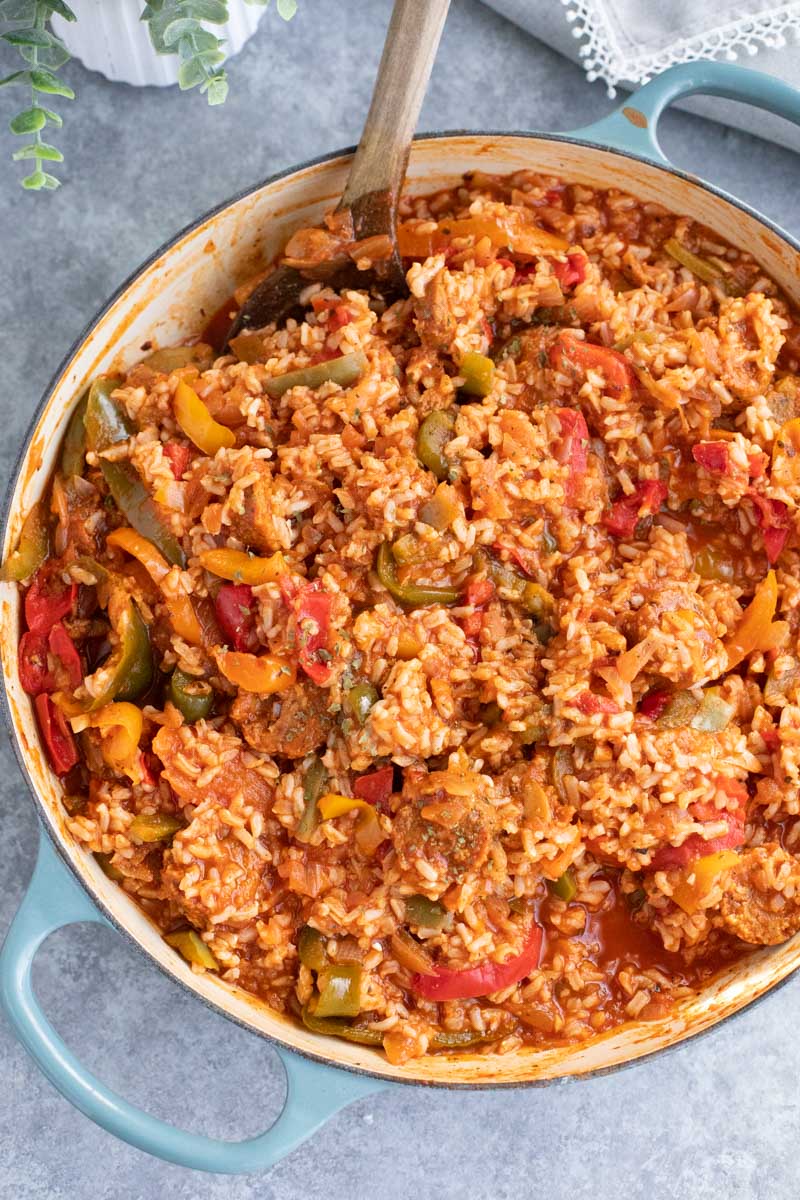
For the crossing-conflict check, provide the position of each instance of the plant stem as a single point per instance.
(39, 23)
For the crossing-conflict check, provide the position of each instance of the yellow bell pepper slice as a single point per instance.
(197, 422)
(243, 568)
(181, 613)
(757, 630)
(262, 673)
(369, 834)
(333, 805)
(120, 725)
(698, 879)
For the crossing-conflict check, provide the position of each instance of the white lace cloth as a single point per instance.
(623, 43)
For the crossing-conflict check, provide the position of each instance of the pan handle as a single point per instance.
(314, 1092)
(634, 125)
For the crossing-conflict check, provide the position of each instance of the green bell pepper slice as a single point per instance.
(565, 887)
(73, 448)
(413, 595)
(359, 699)
(344, 371)
(313, 786)
(105, 423)
(434, 433)
(154, 827)
(426, 913)
(32, 548)
(339, 991)
(193, 698)
(140, 509)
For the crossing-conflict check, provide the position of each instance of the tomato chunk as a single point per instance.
(714, 456)
(573, 355)
(485, 978)
(67, 668)
(654, 703)
(375, 788)
(571, 272)
(179, 456)
(48, 600)
(589, 704)
(479, 592)
(56, 735)
(627, 512)
(236, 612)
(695, 846)
(775, 522)
(313, 630)
(574, 449)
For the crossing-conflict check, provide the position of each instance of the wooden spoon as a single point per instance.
(376, 173)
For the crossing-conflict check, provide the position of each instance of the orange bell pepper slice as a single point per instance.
(510, 229)
(197, 422)
(244, 568)
(181, 613)
(120, 726)
(262, 673)
(786, 455)
(757, 630)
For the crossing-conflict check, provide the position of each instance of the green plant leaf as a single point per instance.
(190, 74)
(35, 181)
(23, 11)
(38, 150)
(27, 37)
(63, 10)
(217, 89)
(50, 182)
(29, 121)
(49, 84)
(215, 11)
(286, 8)
(17, 77)
(52, 117)
(182, 27)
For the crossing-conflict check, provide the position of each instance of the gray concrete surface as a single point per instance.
(717, 1118)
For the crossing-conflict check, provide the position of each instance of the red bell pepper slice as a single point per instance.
(714, 456)
(667, 858)
(56, 734)
(589, 704)
(235, 607)
(37, 674)
(570, 353)
(775, 522)
(34, 672)
(179, 457)
(313, 630)
(574, 449)
(375, 788)
(571, 272)
(627, 512)
(485, 978)
(48, 600)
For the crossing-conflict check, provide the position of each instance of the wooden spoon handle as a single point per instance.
(380, 161)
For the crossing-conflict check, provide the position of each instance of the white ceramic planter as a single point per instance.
(109, 36)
